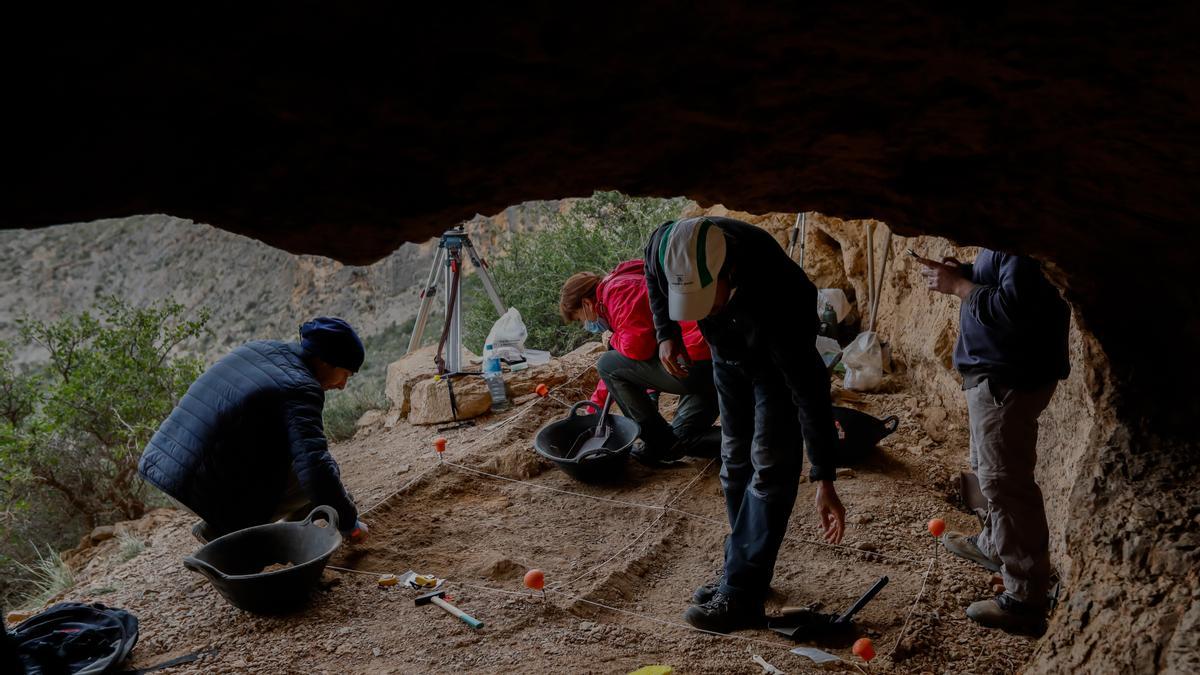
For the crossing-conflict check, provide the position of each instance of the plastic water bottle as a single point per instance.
(494, 379)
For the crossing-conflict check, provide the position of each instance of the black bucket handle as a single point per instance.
(578, 405)
(201, 567)
(327, 511)
(890, 425)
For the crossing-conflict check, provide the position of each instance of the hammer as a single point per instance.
(436, 598)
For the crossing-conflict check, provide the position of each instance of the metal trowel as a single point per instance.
(591, 441)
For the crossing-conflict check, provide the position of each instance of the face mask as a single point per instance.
(597, 326)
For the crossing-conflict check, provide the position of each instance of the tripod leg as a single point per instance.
(427, 294)
(485, 276)
(453, 329)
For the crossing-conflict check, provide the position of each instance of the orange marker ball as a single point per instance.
(542, 390)
(864, 649)
(439, 444)
(535, 579)
(937, 526)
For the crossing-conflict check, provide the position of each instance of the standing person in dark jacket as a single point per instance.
(754, 307)
(246, 444)
(1011, 352)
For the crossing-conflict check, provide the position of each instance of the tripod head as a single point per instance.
(454, 238)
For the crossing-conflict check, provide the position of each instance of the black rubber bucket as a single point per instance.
(558, 441)
(234, 563)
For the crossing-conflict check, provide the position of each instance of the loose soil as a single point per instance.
(619, 576)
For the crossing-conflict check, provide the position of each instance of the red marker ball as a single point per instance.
(542, 390)
(937, 526)
(439, 444)
(535, 579)
(864, 649)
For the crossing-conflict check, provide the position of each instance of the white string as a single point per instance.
(647, 617)
(548, 488)
(532, 404)
(488, 433)
(670, 509)
(916, 601)
(645, 531)
(405, 487)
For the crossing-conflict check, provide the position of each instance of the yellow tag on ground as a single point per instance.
(653, 670)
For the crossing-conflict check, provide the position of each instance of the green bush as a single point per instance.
(78, 427)
(72, 432)
(343, 408)
(594, 235)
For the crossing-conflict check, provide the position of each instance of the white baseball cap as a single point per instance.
(691, 253)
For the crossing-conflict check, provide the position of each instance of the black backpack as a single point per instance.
(71, 637)
(858, 432)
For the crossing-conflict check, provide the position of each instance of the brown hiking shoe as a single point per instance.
(965, 547)
(1009, 614)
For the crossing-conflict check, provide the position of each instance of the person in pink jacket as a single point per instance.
(619, 303)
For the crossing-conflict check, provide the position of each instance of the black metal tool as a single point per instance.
(807, 624)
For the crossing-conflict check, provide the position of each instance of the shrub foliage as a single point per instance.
(594, 234)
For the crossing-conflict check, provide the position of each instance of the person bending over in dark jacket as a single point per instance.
(1012, 351)
(618, 302)
(754, 306)
(246, 444)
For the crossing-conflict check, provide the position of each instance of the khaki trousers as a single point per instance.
(1004, 433)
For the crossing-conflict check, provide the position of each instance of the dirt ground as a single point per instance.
(619, 575)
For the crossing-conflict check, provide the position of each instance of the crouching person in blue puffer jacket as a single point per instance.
(246, 444)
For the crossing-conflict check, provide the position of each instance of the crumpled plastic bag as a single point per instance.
(507, 337)
(828, 348)
(863, 359)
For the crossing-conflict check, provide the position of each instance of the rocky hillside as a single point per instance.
(253, 290)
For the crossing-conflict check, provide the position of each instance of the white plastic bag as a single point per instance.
(837, 299)
(828, 348)
(863, 359)
(507, 336)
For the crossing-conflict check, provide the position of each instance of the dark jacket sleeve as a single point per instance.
(996, 306)
(315, 468)
(656, 287)
(791, 341)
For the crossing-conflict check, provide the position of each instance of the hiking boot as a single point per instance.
(203, 533)
(965, 547)
(1009, 614)
(656, 455)
(705, 592)
(725, 613)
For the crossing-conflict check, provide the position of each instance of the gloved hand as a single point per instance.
(359, 533)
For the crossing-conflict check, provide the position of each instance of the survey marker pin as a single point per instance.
(535, 579)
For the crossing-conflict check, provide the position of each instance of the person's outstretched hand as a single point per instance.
(671, 353)
(831, 512)
(359, 534)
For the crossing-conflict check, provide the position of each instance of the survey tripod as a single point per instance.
(447, 264)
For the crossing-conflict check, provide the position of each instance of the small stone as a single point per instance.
(587, 625)
(343, 631)
(376, 651)
(845, 473)
(403, 468)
